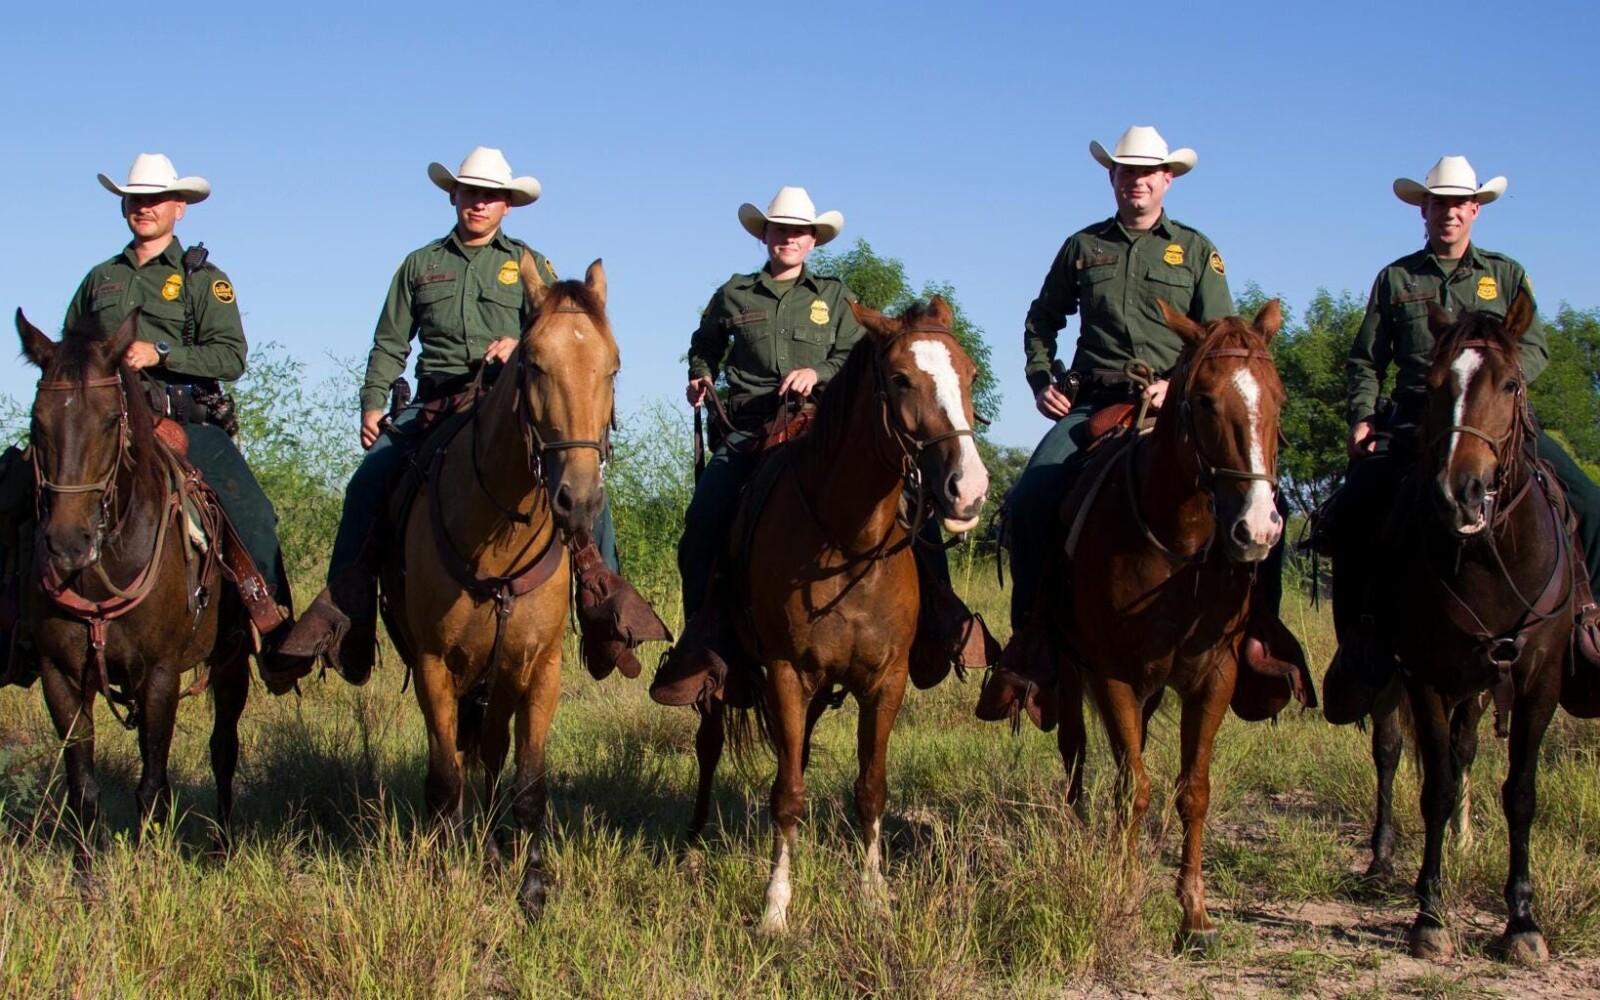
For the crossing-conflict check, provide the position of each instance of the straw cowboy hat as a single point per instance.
(487, 168)
(1452, 177)
(1142, 146)
(792, 207)
(152, 173)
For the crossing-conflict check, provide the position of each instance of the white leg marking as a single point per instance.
(1259, 508)
(934, 358)
(1462, 368)
(873, 885)
(776, 919)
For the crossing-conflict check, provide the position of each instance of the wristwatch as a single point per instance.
(163, 349)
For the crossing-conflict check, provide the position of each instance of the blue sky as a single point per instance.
(952, 136)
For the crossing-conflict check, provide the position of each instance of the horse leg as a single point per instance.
(1203, 711)
(1464, 748)
(1123, 714)
(493, 744)
(1388, 740)
(708, 742)
(1428, 937)
(443, 787)
(528, 791)
(72, 712)
(786, 722)
(819, 705)
(1522, 940)
(1072, 739)
(230, 688)
(158, 718)
(872, 784)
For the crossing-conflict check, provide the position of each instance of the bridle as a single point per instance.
(1508, 443)
(1210, 472)
(910, 445)
(106, 485)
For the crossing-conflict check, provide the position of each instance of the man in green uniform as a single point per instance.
(1454, 273)
(190, 339)
(1112, 274)
(783, 331)
(462, 299)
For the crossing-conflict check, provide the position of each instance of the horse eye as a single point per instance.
(1206, 402)
(901, 380)
(1511, 386)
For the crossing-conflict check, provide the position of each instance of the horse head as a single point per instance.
(1225, 396)
(1475, 420)
(567, 365)
(924, 379)
(80, 437)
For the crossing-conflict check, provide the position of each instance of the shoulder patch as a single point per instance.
(550, 269)
(222, 291)
(1216, 263)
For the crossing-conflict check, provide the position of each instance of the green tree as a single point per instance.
(1567, 396)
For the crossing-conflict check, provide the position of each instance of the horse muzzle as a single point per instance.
(69, 548)
(1250, 522)
(962, 490)
(576, 496)
(1465, 506)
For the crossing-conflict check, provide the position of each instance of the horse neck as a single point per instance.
(845, 472)
(1171, 498)
(489, 469)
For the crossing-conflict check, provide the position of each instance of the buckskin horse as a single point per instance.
(478, 601)
(1160, 580)
(826, 572)
(118, 604)
(1482, 586)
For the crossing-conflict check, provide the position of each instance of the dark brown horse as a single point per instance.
(480, 597)
(1161, 577)
(115, 605)
(829, 582)
(1481, 587)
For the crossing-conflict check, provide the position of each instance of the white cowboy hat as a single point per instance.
(1452, 177)
(1142, 146)
(152, 173)
(792, 207)
(487, 168)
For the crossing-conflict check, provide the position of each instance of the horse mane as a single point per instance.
(79, 357)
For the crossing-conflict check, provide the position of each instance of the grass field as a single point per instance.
(338, 889)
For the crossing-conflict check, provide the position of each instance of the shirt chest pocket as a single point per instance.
(162, 320)
(501, 308)
(1408, 318)
(1095, 284)
(1173, 285)
(438, 308)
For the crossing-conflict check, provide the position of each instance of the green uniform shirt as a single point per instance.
(1113, 280)
(162, 292)
(1395, 328)
(454, 306)
(773, 332)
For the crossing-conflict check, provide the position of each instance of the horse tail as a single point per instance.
(470, 710)
(747, 730)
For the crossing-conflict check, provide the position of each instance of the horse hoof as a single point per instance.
(532, 899)
(1523, 948)
(1197, 944)
(774, 923)
(1380, 868)
(1431, 944)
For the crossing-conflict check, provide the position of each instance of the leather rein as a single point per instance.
(96, 614)
(1210, 472)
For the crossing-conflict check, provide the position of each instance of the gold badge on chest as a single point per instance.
(172, 287)
(1488, 291)
(1173, 255)
(819, 312)
(508, 273)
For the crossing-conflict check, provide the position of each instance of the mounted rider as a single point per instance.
(1113, 274)
(190, 341)
(1451, 272)
(778, 334)
(461, 298)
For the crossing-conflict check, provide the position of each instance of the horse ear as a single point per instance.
(595, 278)
(38, 348)
(1519, 318)
(1187, 329)
(1269, 320)
(126, 334)
(875, 322)
(939, 312)
(1438, 320)
(533, 287)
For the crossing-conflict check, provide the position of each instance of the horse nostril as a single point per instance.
(562, 501)
(1473, 495)
(1241, 532)
(952, 485)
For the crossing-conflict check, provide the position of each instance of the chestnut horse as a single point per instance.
(828, 580)
(480, 597)
(1160, 581)
(1481, 587)
(115, 606)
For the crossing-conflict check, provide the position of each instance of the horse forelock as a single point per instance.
(1473, 326)
(1228, 333)
(81, 356)
(572, 296)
